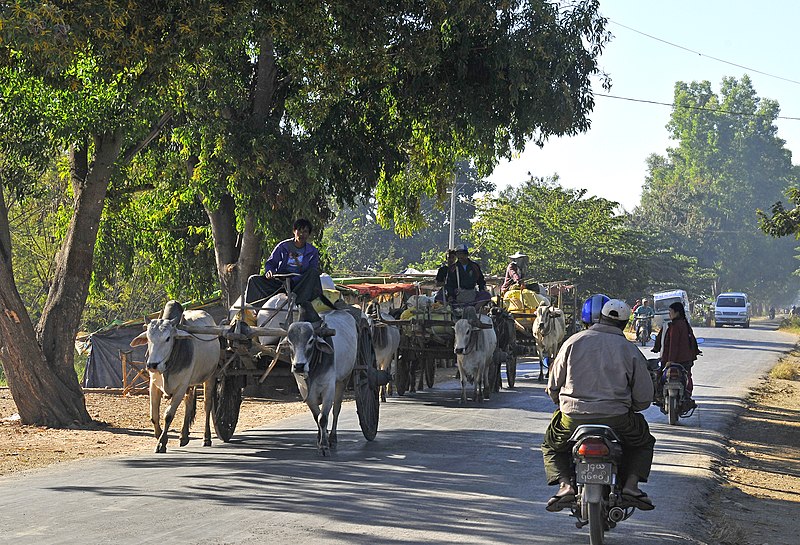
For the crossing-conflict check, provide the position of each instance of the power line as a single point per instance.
(703, 54)
(688, 107)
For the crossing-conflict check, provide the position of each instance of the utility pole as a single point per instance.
(453, 195)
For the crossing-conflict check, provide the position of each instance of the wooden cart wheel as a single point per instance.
(511, 370)
(366, 387)
(430, 371)
(227, 401)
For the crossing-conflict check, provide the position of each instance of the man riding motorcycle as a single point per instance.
(643, 317)
(599, 377)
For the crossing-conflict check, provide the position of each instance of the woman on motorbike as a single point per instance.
(680, 347)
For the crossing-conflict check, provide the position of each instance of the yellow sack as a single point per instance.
(332, 295)
(441, 314)
(524, 302)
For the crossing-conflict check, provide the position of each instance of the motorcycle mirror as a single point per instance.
(701, 340)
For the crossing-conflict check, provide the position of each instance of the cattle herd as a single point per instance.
(480, 340)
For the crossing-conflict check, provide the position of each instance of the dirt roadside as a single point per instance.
(122, 427)
(757, 501)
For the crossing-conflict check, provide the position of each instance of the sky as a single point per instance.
(609, 159)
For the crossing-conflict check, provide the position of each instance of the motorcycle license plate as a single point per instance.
(594, 472)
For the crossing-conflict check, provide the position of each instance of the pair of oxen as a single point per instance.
(178, 361)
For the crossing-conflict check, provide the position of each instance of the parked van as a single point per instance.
(732, 308)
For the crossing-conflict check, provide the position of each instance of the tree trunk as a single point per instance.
(44, 382)
(41, 396)
(237, 254)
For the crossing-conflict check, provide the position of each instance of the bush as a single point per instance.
(791, 323)
(785, 370)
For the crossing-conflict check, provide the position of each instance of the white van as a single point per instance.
(662, 301)
(732, 308)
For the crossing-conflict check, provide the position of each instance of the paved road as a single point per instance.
(437, 473)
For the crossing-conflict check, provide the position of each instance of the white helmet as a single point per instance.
(616, 310)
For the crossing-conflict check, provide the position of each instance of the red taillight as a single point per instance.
(593, 448)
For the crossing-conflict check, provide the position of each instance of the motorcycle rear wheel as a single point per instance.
(596, 524)
(672, 410)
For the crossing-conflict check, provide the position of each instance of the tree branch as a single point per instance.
(131, 152)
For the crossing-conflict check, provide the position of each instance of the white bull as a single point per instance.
(178, 361)
(548, 331)
(323, 368)
(474, 348)
(385, 341)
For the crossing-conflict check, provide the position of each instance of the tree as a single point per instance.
(567, 236)
(703, 196)
(310, 107)
(91, 77)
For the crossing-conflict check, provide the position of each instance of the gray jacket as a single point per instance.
(598, 372)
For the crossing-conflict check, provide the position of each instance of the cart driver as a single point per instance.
(292, 256)
(463, 277)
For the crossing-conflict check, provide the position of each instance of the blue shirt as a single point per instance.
(288, 258)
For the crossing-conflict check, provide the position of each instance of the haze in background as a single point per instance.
(609, 160)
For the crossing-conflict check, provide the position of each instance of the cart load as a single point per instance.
(523, 304)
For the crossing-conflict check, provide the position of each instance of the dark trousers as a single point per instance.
(637, 445)
(306, 288)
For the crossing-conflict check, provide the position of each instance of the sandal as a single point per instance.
(557, 503)
(640, 500)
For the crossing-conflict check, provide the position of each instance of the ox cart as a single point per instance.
(244, 360)
(522, 309)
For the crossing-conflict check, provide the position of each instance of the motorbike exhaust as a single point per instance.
(616, 514)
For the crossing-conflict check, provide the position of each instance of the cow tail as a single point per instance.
(191, 408)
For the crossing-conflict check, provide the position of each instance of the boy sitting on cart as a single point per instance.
(292, 256)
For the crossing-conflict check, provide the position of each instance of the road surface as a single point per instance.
(437, 473)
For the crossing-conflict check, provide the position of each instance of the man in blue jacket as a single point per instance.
(291, 256)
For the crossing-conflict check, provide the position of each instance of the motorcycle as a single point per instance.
(596, 455)
(644, 326)
(669, 385)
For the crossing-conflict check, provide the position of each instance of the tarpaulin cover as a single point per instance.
(373, 290)
(104, 366)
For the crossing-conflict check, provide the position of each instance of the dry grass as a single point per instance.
(785, 370)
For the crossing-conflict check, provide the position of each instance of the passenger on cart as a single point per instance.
(441, 275)
(463, 277)
(292, 256)
(515, 272)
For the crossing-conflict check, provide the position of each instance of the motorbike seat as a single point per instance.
(594, 429)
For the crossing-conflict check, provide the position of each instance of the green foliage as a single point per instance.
(567, 236)
(355, 240)
(703, 196)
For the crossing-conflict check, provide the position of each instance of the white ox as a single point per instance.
(178, 361)
(323, 368)
(548, 331)
(474, 348)
(385, 341)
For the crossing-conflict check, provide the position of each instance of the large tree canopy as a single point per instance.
(326, 105)
(703, 196)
